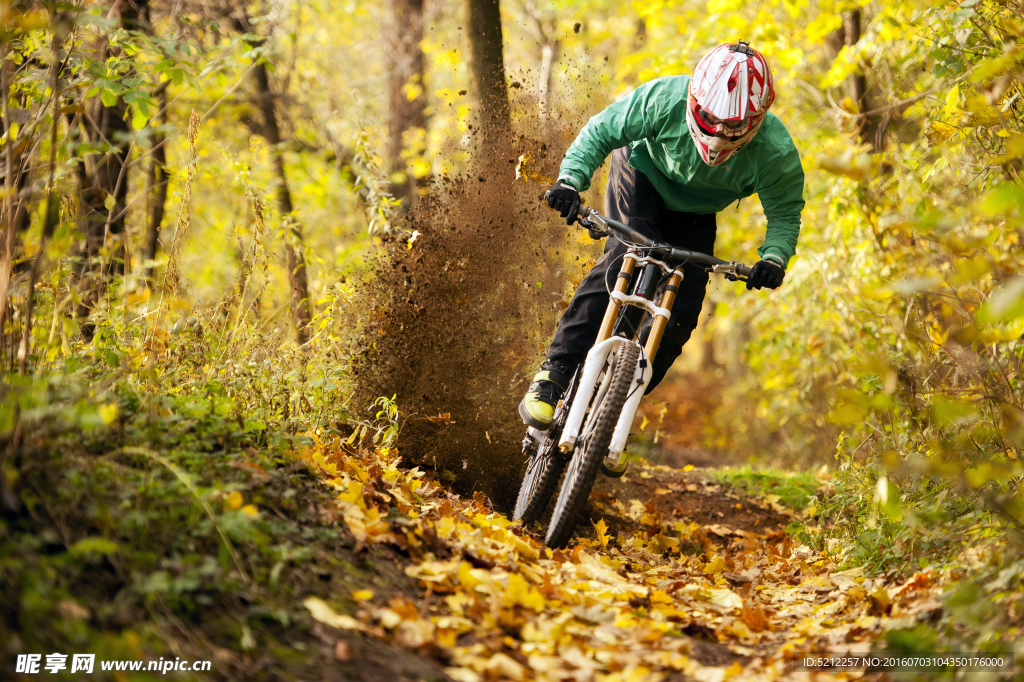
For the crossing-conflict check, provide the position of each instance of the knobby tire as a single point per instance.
(539, 481)
(545, 466)
(596, 436)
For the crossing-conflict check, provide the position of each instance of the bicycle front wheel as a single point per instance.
(595, 438)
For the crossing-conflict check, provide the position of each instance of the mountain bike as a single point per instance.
(591, 423)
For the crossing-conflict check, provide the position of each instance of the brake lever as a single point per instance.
(593, 230)
(728, 270)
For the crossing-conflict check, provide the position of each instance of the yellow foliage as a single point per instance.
(519, 593)
(939, 132)
(843, 65)
(850, 161)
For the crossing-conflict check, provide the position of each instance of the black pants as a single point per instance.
(630, 198)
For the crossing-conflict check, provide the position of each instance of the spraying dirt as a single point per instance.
(460, 321)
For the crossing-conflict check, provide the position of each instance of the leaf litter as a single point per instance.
(647, 593)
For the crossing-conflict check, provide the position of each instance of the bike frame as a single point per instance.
(606, 344)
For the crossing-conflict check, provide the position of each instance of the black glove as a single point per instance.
(765, 273)
(564, 198)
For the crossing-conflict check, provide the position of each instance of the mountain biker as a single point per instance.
(684, 148)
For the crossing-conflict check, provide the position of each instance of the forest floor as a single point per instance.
(673, 575)
(291, 557)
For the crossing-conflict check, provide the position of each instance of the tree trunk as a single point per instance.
(405, 89)
(17, 190)
(640, 37)
(98, 178)
(7, 245)
(296, 262)
(870, 129)
(102, 176)
(51, 212)
(548, 55)
(157, 190)
(22, 197)
(487, 70)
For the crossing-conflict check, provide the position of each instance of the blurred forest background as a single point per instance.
(213, 210)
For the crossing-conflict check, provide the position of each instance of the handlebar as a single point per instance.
(604, 225)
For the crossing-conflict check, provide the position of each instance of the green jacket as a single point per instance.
(652, 120)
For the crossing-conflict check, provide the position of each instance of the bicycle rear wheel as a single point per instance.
(544, 467)
(592, 448)
(542, 472)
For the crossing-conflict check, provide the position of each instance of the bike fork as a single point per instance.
(604, 346)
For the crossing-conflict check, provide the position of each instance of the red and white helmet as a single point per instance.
(730, 92)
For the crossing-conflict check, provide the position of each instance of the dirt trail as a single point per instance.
(675, 494)
(678, 578)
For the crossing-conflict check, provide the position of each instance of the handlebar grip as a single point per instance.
(581, 214)
(743, 271)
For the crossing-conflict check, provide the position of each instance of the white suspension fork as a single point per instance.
(641, 377)
(592, 367)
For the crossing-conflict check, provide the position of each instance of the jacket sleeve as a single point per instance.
(781, 191)
(636, 116)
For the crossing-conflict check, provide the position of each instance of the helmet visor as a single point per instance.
(726, 129)
(712, 122)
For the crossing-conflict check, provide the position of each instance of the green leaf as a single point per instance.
(1003, 200)
(1014, 149)
(7, 420)
(946, 411)
(139, 119)
(1005, 304)
(108, 98)
(919, 639)
(972, 270)
(887, 497)
(967, 594)
(160, 581)
(848, 414)
(94, 546)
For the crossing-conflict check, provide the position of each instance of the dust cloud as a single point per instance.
(459, 323)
